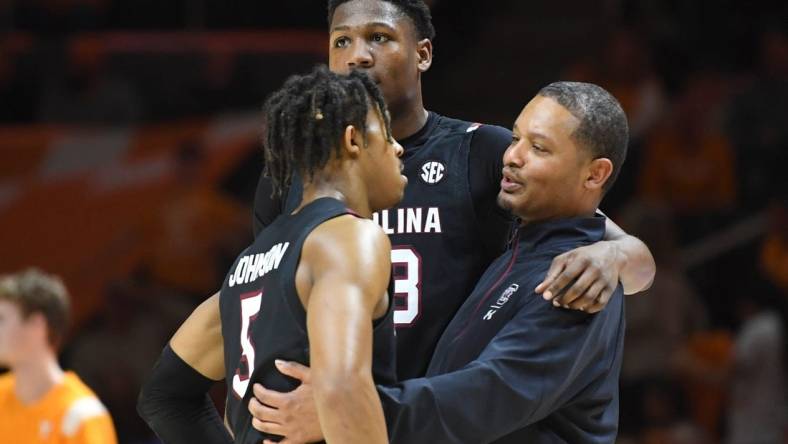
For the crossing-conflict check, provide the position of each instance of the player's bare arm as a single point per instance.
(357, 268)
(585, 278)
(637, 264)
(347, 262)
(339, 337)
(198, 341)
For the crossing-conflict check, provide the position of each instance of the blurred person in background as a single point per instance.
(688, 162)
(40, 403)
(115, 351)
(197, 232)
(666, 419)
(757, 407)
(774, 251)
(661, 322)
(749, 369)
(757, 121)
(624, 67)
(662, 403)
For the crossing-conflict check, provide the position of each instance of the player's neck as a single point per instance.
(409, 120)
(36, 376)
(344, 191)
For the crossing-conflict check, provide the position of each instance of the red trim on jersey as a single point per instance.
(353, 213)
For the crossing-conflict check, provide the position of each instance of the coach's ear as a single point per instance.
(351, 141)
(599, 171)
(424, 50)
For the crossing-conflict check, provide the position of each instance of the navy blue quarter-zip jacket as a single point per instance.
(510, 367)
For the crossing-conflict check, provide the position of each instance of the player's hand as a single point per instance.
(584, 278)
(292, 414)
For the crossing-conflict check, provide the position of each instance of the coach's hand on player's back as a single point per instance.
(292, 414)
(584, 278)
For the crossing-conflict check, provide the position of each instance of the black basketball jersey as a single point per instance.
(263, 318)
(437, 250)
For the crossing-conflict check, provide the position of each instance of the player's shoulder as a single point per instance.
(492, 140)
(348, 246)
(347, 234)
(475, 129)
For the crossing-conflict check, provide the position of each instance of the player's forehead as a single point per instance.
(357, 14)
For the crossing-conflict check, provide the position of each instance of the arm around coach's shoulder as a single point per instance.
(586, 277)
(348, 261)
(639, 268)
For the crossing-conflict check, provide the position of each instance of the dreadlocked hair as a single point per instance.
(306, 118)
(418, 12)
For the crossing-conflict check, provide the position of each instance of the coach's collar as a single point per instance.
(559, 231)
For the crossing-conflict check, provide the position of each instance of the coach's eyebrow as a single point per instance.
(537, 135)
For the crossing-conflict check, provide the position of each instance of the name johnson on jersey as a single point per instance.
(255, 266)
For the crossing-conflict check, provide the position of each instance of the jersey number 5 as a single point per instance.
(250, 306)
(406, 263)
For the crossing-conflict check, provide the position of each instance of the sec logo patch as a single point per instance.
(432, 172)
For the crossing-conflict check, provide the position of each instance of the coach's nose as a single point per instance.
(512, 157)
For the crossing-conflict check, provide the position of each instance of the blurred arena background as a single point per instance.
(129, 157)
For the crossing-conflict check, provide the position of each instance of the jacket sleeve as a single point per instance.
(535, 364)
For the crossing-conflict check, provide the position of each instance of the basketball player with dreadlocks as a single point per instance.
(313, 285)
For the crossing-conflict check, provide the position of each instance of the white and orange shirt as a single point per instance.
(70, 413)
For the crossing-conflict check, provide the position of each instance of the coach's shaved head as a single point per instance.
(603, 128)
